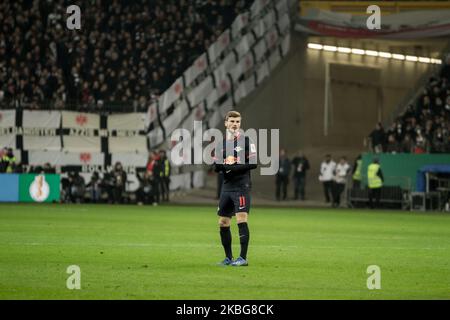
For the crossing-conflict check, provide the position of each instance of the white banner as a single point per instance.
(199, 66)
(281, 7)
(127, 144)
(81, 144)
(257, 7)
(41, 119)
(133, 159)
(223, 86)
(211, 99)
(180, 182)
(269, 19)
(284, 24)
(286, 44)
(245, 64)
(8, 141)
(199, 111)
(152, 115)
(198, 179)
(189, 123)
(260, 49)
(262, 72)
(7, 118)
(201, 91)
(219, 46)
(228, 62)
(155, 137)
(42, 143)
(171, 95)
(127, 121)
(174, 120)
(274, 59)
(80, 120)
(239, 23)
(271, 38)
(215, 119)
(244, 45)
(225, 107)
(65, 158)
(259, 28)
(244, 89)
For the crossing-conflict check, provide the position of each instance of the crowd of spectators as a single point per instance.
(425, 125)
(111, 187)
(126, 53)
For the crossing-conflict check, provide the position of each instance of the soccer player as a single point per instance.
(235, 157)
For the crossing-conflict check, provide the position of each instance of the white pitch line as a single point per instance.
(198, 245)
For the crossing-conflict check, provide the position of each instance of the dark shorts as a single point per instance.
(232, 202)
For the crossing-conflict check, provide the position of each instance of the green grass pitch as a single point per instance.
(170, 252)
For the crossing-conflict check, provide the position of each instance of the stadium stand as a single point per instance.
(424, 127)
(126, 53)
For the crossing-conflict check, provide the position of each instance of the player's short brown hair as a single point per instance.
(232, 114)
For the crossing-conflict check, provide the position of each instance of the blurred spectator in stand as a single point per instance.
(107, 186)
(407, 144)
(77, 187)
(377, 138)
(120, 180)
(93, 187)
(392, 145)
(48, 169)
(147, 186)
(65, 189)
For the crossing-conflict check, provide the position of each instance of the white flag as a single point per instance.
(284, 24)
(80, 120)
(41, 119)
(199, 66)
(260, 49)
(127, 121)
(7, 119)
(219, 46)
(240, 23)
(127, 144)
(244, 45)
(201, 91)
(171, 95)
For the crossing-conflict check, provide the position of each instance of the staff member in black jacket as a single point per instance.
(282, 177)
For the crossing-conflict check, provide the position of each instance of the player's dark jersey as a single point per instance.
(243, 152)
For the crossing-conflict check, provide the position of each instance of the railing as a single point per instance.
(395, 192)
